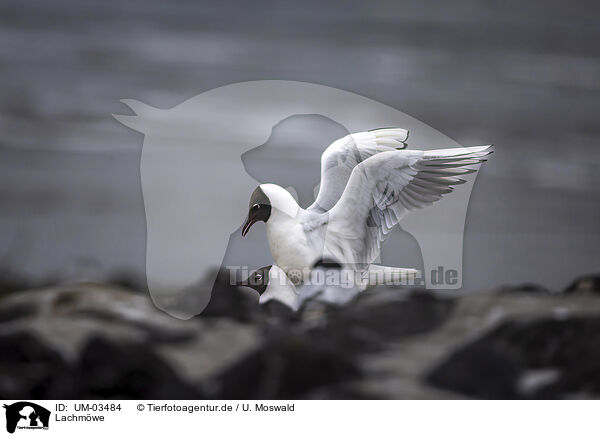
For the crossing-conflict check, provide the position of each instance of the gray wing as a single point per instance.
(340, 158)
(383, 188)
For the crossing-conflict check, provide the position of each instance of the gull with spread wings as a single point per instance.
(369, 181)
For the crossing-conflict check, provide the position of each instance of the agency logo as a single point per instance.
(197, 178)
(24, 415)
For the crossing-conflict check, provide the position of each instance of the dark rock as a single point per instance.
(230, 301)
(496, 365)
(315, 353)
(285, 368)
(127, 279)
(528, 288)
(93, 341)
(16, 311)
(481, 371)
(154, 333)
(339, 391)
(382, 315)
(585, 284)
(132, 371)
(28, 367)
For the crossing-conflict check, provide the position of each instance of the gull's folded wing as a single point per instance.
(340, 158)
(385, 187)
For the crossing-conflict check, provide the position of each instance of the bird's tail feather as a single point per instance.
(389, 275)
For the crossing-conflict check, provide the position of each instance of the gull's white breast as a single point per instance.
(290, 247)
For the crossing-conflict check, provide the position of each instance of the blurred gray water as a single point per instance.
(525, 76)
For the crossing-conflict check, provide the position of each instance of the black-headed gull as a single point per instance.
(273, 284)
(326, 284)
(368, 183)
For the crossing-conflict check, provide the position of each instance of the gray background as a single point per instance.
(523, 75)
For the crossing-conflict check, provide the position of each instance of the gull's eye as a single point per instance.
(256, 206)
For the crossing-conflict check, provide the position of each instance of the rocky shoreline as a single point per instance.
(98, 341)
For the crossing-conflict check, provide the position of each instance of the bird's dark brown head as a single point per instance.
(258, 280)
(259, 209)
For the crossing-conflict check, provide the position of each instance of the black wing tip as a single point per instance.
(327, 263)
(490, 149)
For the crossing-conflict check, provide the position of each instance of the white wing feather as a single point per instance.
(340, 158)
(383, 188)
